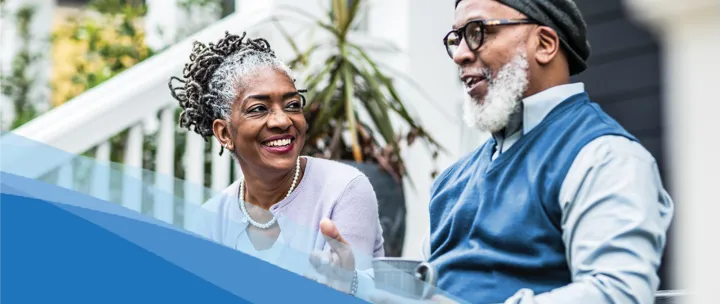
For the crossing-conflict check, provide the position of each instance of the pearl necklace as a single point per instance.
(241, 200)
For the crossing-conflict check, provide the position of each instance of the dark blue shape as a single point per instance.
(52, 256)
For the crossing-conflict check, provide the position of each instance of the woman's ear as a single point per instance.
(222, 131)
(547, 46)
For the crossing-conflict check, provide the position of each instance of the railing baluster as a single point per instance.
(194, 177)
(100, 182)
(133, 169)
(65, 175)
(220, 167)
(164, 178)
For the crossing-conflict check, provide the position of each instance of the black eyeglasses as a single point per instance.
(473, 33)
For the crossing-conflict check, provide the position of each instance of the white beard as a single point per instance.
(503, 96)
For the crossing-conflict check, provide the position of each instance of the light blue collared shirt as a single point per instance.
(615, 214)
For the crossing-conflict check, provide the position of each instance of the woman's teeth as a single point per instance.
(279, 142)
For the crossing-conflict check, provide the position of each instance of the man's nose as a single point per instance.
(463, 55)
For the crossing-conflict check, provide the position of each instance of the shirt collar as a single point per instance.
(537, 106)
(534, 108)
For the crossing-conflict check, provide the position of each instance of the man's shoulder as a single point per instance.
(606, 147)
(608, 155)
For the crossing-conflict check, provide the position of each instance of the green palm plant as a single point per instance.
(348, 81)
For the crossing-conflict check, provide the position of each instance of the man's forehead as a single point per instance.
(468, 10)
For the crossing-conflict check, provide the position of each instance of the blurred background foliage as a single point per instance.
(102, 41)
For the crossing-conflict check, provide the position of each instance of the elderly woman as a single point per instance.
(237, 91)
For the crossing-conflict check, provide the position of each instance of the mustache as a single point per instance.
(486, 72)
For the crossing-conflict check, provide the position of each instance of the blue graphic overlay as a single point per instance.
(78, 230)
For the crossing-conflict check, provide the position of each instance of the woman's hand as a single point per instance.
(337, 267)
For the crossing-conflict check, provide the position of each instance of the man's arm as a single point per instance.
(615, 218)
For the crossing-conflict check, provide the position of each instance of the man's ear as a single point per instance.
(548, 45)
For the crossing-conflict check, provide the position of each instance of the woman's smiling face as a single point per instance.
(267, 126)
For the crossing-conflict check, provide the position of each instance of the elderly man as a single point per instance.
(561, 205)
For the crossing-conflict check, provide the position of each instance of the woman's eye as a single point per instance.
(257, 109)
(294, 105)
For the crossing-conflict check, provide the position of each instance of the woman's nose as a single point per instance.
(279, 119)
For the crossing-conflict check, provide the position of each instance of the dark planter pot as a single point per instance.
(392, 206)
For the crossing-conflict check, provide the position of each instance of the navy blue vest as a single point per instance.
(496, 225)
